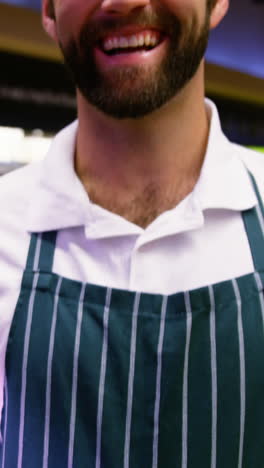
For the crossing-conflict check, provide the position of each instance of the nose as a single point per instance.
(122, 7)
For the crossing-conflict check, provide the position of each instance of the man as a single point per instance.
(132, 259)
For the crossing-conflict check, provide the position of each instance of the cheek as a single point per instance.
(187, 10)
(71, 15)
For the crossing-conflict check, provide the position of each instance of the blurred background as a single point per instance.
(37, 97)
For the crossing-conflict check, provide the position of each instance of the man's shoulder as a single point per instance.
(253, 161)
(16, 189)
(249, 156)
(16, 192)
(16, 180)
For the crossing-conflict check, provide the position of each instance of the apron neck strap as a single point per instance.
(254, 225)
(41, 251)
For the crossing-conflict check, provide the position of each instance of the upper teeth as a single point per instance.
(123, 42)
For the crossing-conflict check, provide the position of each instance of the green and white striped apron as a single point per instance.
(106, 378)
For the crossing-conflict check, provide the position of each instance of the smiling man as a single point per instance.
(132, 259)
(131, 62)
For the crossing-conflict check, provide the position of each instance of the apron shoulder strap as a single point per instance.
(41, 251)
(254, 225)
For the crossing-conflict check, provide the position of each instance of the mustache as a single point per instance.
(95, 30)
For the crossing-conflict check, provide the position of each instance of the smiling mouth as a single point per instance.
(142, 41)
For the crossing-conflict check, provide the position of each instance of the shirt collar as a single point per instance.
(224, 181)
(59, 199)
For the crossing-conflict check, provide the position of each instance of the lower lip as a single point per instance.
(131, 58)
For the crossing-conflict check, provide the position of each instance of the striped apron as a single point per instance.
(106, 378)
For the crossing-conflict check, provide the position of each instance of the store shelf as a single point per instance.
(17, 148)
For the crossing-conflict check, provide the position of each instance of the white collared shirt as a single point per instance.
(201, 241)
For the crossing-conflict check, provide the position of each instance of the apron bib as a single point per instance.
(106, 378)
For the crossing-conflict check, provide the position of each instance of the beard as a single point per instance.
(136, 91)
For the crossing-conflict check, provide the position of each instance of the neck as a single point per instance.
(140, 168)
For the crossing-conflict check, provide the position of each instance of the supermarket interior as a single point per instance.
(37, 97)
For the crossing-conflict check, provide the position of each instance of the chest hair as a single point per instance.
(143, 207)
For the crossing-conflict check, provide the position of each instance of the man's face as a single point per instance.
(130, 65)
